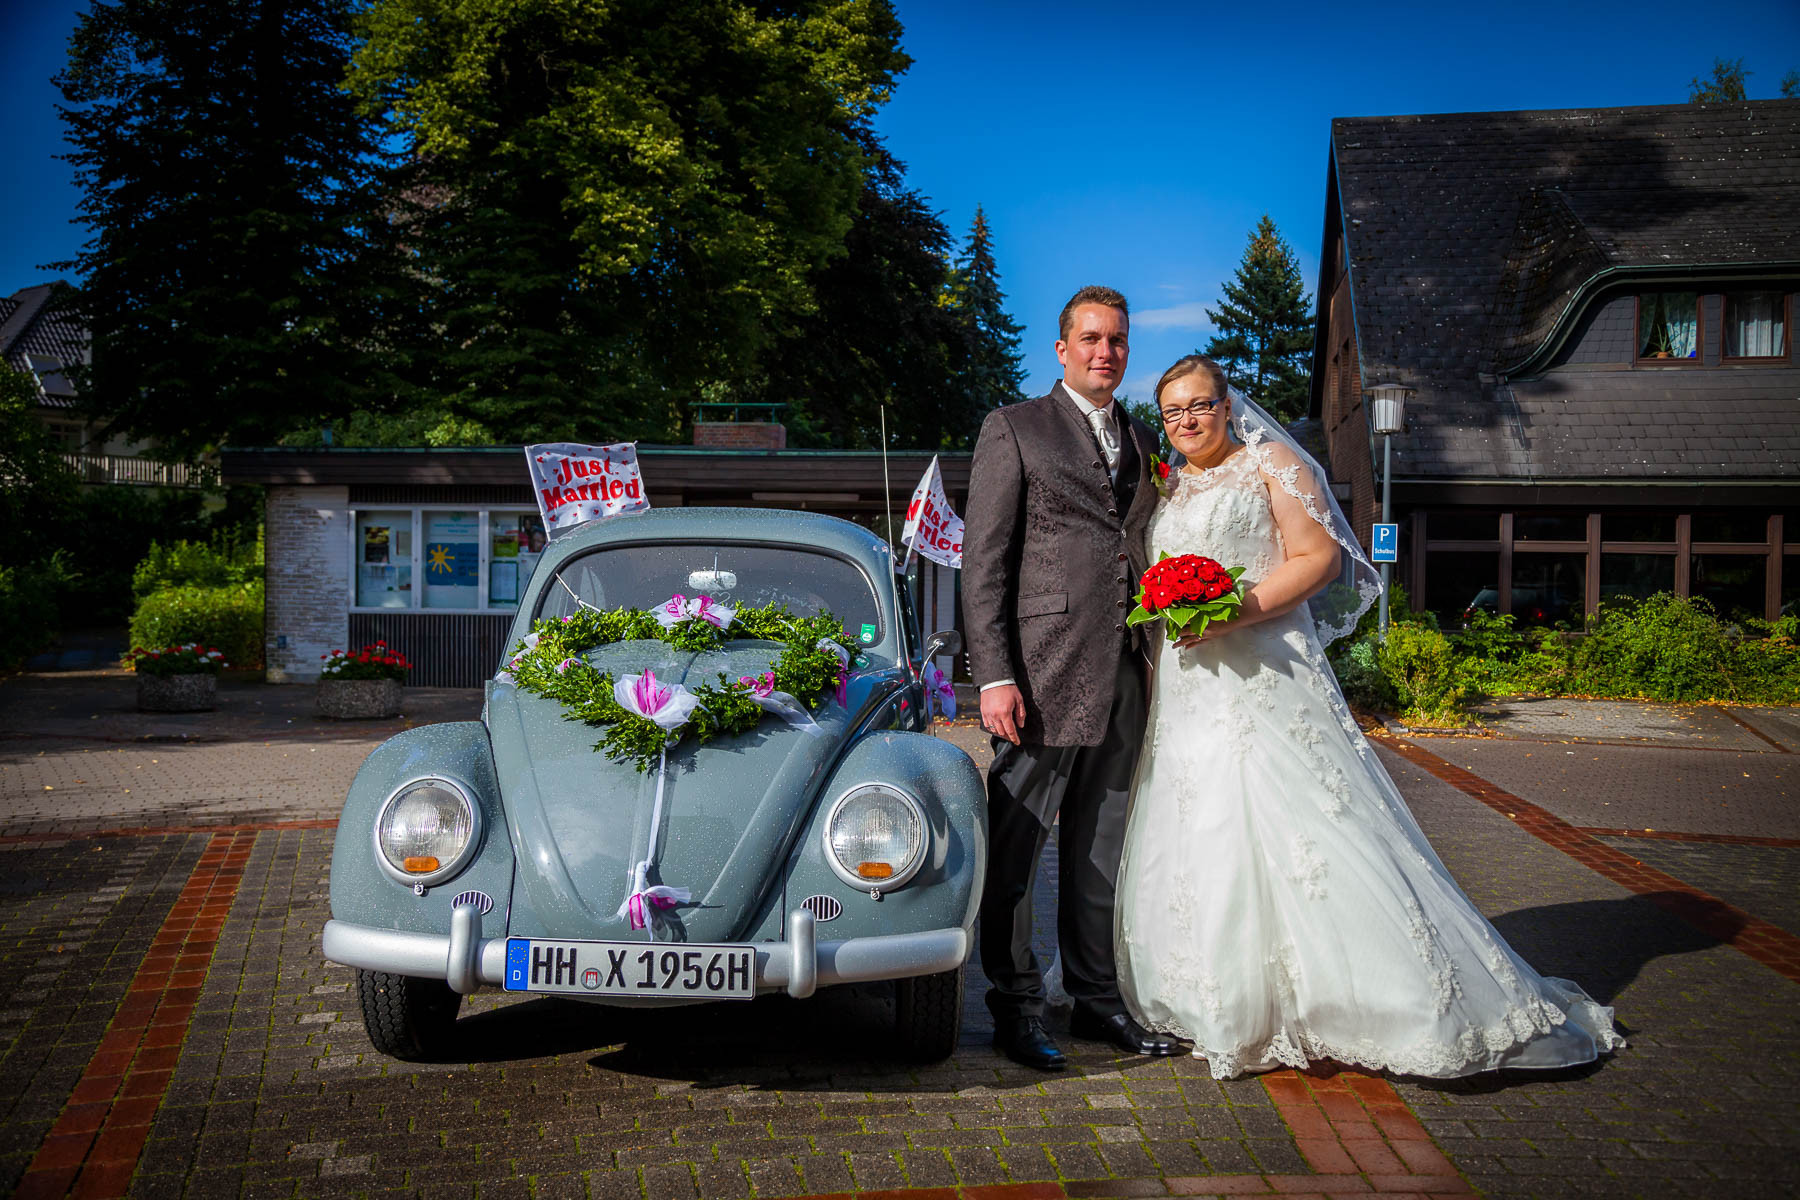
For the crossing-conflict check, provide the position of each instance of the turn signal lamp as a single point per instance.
(875, 870)
(421, 864)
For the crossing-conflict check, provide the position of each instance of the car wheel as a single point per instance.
(928, 1014)
(407, 1017)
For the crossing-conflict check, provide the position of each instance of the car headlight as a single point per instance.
(427, 831)
(875, 837)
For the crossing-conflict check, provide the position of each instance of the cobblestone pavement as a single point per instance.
(172, 1030)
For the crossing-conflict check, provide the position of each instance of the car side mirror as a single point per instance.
(944, 641)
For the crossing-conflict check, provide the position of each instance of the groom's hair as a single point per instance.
(1093, 293)
(1188, 365)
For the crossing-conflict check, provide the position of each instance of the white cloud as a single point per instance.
(1191, 315)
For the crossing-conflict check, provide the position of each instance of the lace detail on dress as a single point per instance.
(1307, 868)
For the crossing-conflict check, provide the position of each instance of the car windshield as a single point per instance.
(637, 575)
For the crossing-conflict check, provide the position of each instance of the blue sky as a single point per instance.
(1133, 144)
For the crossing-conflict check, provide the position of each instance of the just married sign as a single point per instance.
(575, 483)
(931, 528)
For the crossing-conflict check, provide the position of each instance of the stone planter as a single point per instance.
(176, 693)
(359, 699)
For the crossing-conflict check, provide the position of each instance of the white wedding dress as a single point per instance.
(1277, 902)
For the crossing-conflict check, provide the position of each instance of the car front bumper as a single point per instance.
(798, 966)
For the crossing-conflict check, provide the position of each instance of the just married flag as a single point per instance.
(931, 528)
(575, 483)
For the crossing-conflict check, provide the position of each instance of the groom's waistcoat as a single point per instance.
(1052, 552)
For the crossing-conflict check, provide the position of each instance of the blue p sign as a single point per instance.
(1385, 547)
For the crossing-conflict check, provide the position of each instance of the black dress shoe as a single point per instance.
(1024, 1040)
(1121, 1031)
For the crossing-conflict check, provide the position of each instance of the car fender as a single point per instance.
(362, 893)
(947, 889)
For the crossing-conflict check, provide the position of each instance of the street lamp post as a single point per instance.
(1389, 408)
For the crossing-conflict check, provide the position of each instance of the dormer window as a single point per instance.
(1756, 325)
(1668, 325)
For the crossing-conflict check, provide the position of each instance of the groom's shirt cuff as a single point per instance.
(997, 683)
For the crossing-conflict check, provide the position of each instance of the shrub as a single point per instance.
(1660, 648)
(230, 618)
(1418, 663)
(1766, 669)
(220, 562)
(1360, 675)
(191, 659)
(374, 661)
(30, 598)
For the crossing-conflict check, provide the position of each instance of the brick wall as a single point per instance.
(307, 601)
(741, 435)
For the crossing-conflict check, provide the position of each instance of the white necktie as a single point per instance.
(1107, 436)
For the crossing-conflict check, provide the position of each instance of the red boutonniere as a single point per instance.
(1159, 474)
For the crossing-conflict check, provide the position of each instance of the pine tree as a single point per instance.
(225, 177)
(995, 373)
(1265, 326)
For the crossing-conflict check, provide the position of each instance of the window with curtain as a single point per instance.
(1755, 325)
(1669, 325)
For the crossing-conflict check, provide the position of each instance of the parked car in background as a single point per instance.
(848, 846)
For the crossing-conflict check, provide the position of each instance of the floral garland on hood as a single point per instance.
(642, 716)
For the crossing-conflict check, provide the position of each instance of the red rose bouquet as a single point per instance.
(1188, 591)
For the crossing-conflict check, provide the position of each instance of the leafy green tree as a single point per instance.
(995, 373)
(882, 336)
(1266, 326)
(225, 178)
(612, 207)
(1790, 85)
(1726, 84)
(36, 488)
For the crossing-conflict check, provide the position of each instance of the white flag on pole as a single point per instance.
(575, 483)
(931, 528)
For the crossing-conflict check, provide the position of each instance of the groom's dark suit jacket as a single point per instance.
(1052, 552)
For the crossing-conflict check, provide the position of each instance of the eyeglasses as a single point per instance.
(1198, 408)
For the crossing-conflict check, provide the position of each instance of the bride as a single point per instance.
(1277, 902)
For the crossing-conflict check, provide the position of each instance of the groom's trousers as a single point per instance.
(1089, 786)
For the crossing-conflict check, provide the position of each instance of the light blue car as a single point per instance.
(504, 852)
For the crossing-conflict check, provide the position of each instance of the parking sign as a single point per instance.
(1386, 546)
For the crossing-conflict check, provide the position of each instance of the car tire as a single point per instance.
(406, 1017)
(928, 1015)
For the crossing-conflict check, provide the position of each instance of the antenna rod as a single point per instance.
(887, 489)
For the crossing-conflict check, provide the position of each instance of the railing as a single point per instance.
(716, 412)
(143, 472)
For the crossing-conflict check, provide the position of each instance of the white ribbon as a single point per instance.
(788, 709)
(668, 704)
(643, 899)
(680, 608)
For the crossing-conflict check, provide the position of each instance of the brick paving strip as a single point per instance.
(20, 839)
(1768, 944)
(1721, 839)
(93, 1148)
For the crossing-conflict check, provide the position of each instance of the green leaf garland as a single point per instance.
(555, 668)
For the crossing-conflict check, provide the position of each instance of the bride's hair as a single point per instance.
(1187, 365)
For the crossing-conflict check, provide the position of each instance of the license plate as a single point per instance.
(631, 969)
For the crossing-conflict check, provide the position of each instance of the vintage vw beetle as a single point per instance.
(501, 852)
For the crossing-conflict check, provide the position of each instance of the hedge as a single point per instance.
(230, 618)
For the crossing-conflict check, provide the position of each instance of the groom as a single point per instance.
(1052, 550)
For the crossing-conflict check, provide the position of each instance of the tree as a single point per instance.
(1725, 86)
(1265, 326)
(226, 178)
(614, 207)
(882, 336)
(995, 373)
(1790, 85)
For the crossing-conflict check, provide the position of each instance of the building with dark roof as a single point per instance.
(1594, 309)
(44, 341)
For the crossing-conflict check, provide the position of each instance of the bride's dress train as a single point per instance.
(1277, 901)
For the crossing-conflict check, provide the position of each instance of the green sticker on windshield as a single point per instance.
(868, 635)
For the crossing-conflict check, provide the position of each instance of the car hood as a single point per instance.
(580, 822)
